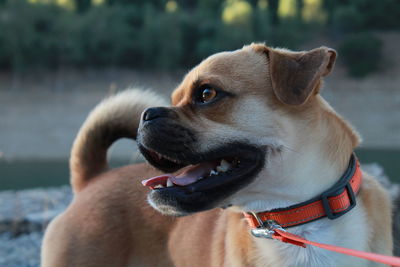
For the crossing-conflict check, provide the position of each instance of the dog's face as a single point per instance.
(230, 118)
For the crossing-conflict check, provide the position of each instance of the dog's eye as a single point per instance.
(207, 94)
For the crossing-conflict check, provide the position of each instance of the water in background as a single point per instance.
(22, 174)
(46, 173)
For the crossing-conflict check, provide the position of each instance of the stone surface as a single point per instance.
(24, 216)
(21, 251)
(31, 210)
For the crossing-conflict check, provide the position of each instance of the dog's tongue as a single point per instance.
(188, 176)
(158, 180)
(193, 174)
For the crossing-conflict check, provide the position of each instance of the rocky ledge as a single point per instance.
(25, 214)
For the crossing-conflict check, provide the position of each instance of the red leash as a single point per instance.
(284, 236)
(272, 230)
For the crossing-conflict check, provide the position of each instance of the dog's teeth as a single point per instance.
(222, 169)
(224, 166)
(169, 183)
(213, 172)
(225, 163)
(158, 186)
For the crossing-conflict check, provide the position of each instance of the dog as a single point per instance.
(247, 133)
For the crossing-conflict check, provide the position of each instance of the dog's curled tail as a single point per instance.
(115, 117)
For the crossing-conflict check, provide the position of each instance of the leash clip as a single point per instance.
(262, 232)
(266, 228)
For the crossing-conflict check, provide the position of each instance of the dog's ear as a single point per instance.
(295, 75)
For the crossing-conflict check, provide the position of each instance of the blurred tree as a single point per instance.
(253, 3)
(237, 12)
(313, 11)
(273, 11)
(213, 7)
(82, 5)
(33, 41)
(359, 15)
(157, 4)
(173, 33)
(383, 14)
(329, 6)
(299, 8)
(362, 54)
(188, 5)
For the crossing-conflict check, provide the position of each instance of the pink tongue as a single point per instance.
(152, 182)
(193, 174)
(188, 176)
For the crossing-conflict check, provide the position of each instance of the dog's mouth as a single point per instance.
(200, 181)
(193, 173)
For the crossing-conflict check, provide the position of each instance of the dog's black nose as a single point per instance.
(153, 113)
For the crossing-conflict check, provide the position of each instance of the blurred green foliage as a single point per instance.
(361, 53)
(47, 34)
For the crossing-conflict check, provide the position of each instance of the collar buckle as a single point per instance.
(331, 214)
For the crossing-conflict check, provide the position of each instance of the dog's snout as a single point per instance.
(154, 113)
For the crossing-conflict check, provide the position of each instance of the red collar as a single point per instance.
(332, 203)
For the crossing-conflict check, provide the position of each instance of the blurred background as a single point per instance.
(58, 58)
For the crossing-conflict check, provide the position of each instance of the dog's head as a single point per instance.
(231, 117)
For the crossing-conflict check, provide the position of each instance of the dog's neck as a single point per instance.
(314, 157)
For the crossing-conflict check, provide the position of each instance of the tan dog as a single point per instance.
(256, 135)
